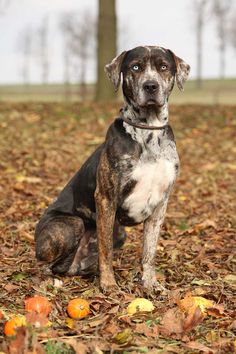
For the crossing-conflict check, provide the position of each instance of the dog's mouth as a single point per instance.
(151, 102)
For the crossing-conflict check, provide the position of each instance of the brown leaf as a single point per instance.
(10, 287)
(201, 347)
(112, 328)
(216, 311)
(142, 328)
(193, 319)
(98, 322)
(172, 321)
(79, 347)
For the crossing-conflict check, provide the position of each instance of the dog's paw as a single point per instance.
(108, 285)
(151, 284)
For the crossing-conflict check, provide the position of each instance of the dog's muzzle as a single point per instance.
(150, 87)
(151, 94)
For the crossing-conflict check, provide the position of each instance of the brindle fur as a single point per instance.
(126, 181)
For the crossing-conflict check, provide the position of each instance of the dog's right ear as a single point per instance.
(182, 70)
(113, 70)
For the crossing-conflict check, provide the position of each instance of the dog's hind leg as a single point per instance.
(57, 239)
(85, 261)
(119, 235)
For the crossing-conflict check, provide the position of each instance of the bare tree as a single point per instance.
(79, 43)
(24, 45)
(200, 13)
(42, 49)
(67, 66)
(222, 11)
(106, 47)
(232, 31)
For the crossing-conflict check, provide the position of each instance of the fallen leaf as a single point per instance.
(190, 303)
(112, 328)
(230, 279)
(212, 336)
(193, 319)
(10, 287)
(123, 337)
(70, 323)
(199, 346)
(57, 283)
(78, 346)
(32, 179)
(200, 282)
(216, 311)
(172, 321)
(142, 328)
(138, 305)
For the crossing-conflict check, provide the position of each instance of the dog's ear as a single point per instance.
(182, 70)
(113, 69)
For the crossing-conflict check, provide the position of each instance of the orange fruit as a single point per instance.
(78, 308)
(11, 325)
(38, 304)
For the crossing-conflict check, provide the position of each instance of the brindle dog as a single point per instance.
(126, 181)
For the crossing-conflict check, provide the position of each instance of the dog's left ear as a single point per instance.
(182, 70)
(113, 70)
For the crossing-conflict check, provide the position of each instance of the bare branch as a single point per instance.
(200, 15)
(221, 11)
(24, 46)
(41, 48)
(79, 31)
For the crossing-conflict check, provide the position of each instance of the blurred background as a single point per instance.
(56, 50)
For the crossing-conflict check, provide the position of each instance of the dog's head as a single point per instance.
(148, 75)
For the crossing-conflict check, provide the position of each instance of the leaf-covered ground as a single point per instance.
(41, 146)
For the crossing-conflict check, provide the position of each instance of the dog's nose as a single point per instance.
(150, 86)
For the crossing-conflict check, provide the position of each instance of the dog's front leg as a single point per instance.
(151, 234)
(105, 198)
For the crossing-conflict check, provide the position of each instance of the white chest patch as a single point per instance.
(153, 180)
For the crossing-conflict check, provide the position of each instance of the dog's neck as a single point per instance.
(151, 115)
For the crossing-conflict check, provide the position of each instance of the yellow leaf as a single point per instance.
(70, 323)
(123, 337)
(182, 198)
(22, 178)
(42, 205)
(140, 304)
(190, 303)
(212, 336)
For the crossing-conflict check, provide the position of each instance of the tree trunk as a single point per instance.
(199, 50)
(200, 8)
(106, 48)
(222, 50)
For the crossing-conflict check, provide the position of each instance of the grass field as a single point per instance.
(212, 92)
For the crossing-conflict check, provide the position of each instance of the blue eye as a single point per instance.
(135, 67)
(163, 67)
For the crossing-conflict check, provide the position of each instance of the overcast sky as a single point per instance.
(168, 23)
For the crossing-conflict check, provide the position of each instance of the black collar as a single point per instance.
(143, 126)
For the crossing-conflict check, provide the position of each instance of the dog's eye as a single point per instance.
(135, 67)
(163, 67)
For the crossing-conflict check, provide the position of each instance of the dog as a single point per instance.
(126, 181)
